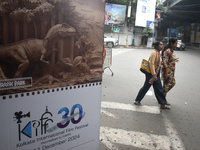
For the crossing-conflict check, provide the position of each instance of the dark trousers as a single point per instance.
(158, 90)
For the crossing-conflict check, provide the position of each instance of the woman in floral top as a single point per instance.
(168, 63)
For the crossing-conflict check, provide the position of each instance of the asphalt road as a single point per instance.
(125, 126)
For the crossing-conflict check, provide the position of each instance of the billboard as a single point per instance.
(50, 74)
(145, 13)
(115, 14)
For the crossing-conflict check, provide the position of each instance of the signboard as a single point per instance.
(172, 33)
(150, 24)
(149, 42)
(60, 118)
(198, 33)
(115, 14)
(116, 30)
(145, 12)
(51, 74)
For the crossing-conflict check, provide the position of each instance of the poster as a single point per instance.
(149, 42)
(198, 33)
(50, 74)
(172, 33)
(52, 120)
(115, 14)
(145, 13)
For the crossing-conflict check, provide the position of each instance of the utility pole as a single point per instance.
(128, 21)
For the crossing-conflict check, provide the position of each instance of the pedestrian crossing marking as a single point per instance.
(172, 134)
(108, 114)
(123, 106)
(112, 136)
(115, 53)
(150, 93)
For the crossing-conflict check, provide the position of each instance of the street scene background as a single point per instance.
(125, 126)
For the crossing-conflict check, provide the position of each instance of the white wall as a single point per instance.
(125, 34)
(138, 36)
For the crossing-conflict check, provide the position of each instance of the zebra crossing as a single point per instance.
(112, 137)
(115, 133)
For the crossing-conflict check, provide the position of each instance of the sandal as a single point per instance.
(168, 103)
(164, 107)
(137, 103)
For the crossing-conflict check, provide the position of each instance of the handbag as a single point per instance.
(145, 67)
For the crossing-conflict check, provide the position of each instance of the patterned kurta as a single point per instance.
(168, 69)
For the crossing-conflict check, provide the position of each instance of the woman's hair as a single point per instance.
(156, 44)
(171, 41)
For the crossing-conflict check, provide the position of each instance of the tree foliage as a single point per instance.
(147, 32)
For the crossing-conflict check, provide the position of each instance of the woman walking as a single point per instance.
(168, 63)
(154, 79)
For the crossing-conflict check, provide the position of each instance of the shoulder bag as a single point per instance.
(145, 67)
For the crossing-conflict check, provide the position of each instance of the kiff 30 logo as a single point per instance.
(41, 126)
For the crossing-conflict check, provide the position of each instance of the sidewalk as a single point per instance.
(145, 47)
(192, 48)
(132, 47)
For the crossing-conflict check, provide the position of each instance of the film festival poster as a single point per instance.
(50, 73)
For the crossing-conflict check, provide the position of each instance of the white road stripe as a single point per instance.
(150, 93)
(143, 108)
(111, 136)
(176, 142)
(118, 52)
(109, 114)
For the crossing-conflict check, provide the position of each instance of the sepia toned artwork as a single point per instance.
(50, 43)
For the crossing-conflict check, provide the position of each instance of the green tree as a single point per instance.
(147, 32)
